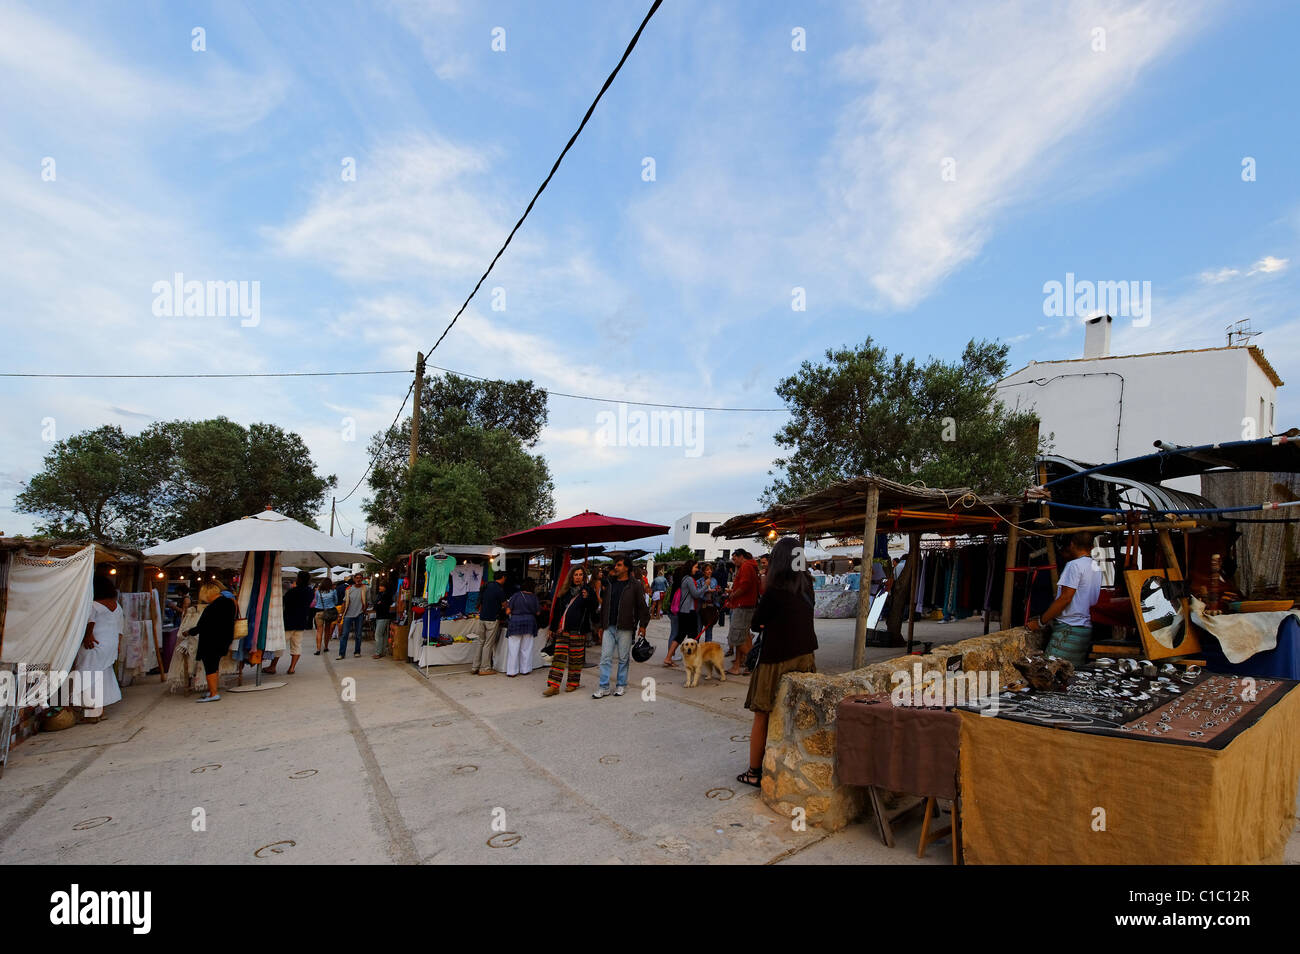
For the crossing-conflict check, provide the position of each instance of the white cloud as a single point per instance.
(1268, 265)
(69, 76)
(873, 223)
(436, 24)
(1220, 276)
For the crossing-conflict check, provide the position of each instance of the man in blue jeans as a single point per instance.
(354, 614)
(623, 610)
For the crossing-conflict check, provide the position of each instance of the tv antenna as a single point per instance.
(1240, 332)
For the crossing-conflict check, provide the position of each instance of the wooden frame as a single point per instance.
(1141, 588)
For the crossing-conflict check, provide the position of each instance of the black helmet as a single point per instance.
(642, 649)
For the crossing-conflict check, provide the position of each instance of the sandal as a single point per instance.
(752, 777)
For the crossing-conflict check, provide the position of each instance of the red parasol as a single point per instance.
(587, 527)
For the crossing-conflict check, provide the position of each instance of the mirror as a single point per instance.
(1160, 611)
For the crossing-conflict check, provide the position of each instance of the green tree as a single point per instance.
(675, 555)
(475, 478)
(865, 412)
(98, 484)
(175, 478)
(225, 471)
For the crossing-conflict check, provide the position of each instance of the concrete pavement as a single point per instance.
(394, 766)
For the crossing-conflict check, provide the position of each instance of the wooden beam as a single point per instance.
(1167, 548)
(1009, 574)
(1112, 528)
(864, 583)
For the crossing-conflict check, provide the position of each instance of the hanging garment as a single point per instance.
(261, 602)
(466, 578)
(439, 572)
(950, 590)
(920, 586)
(49, 603)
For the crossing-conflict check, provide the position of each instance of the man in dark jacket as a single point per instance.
(494, 622)
(623, 609)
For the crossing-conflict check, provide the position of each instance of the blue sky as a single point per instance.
(775, 169)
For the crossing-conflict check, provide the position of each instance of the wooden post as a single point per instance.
(913, 557)
(1167, 548)
(1044, 512)
(1009, 576)
(333, 501)
(988, 610)
(415, 411)
(864, 585)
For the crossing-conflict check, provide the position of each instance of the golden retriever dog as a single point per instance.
(699, 657)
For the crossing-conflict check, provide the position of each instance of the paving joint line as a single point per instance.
(401, 843)
(528, 760)
(48, 792)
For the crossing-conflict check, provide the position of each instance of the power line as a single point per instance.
(501, 251)
(460, 374)
(545, 182)
(233, 374)
(620, 400)
(375, 457)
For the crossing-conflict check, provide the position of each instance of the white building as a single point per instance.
(695, 531)
(1104, 407)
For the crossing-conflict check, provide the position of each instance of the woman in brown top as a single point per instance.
(785, 616)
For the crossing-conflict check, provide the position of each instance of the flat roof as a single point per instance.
(1254, 351)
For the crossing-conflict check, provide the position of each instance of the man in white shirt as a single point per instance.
(1068, 621)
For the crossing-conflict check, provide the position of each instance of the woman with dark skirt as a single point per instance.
(785, 616)
(573, 618)
(216, 631)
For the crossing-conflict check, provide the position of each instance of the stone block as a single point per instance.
(820, 743)
(820, 774)
(804, 717)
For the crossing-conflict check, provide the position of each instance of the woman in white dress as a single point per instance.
(99, 651)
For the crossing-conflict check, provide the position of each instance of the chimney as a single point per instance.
(1096, 337)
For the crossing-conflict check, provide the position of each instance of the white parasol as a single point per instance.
(225, 546)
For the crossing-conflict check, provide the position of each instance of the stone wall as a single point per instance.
(799, 762)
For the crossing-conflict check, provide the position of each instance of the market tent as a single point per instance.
(225, 546)
(586, 527)
(865, 506)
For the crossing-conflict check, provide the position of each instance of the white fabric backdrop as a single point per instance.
(49, 603)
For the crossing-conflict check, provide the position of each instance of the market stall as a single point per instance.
(259, 545)
(437, 603)
(45, 601)
(1209, 777)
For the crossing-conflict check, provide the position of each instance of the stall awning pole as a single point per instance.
(1009, 576)
(864, 583)
(913, 554)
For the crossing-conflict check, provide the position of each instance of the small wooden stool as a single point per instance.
(954, 829)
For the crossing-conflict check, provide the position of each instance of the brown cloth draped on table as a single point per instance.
(904, 749)
(1030, 795)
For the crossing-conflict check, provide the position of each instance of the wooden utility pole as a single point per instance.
(333, 501)
(415, 411)
(864, 584)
